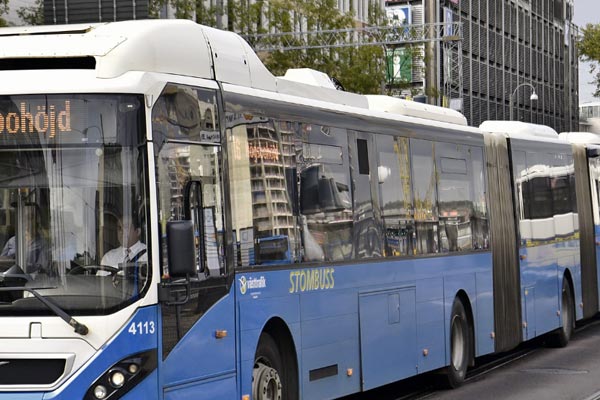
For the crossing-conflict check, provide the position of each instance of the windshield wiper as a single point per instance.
(52, 306)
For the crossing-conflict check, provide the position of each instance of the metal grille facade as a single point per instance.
(507, 42)
(89, 11)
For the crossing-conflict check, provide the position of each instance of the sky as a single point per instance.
(586, 12)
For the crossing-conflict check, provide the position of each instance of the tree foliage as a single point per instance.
(359, 69)
(589, 50)
(3, 11)
(32, 15)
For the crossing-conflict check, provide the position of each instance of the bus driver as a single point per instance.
(131, 249)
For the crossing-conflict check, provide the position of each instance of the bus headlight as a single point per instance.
(123, 376)
(117, 379)
(100, 392)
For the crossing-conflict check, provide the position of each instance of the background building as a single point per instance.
(506, 43)
(84, 11)
(589, 117)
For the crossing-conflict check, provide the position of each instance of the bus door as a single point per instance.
(198, 325)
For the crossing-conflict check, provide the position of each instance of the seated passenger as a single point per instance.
(9, 248)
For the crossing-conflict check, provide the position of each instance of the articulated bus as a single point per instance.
(178, 223)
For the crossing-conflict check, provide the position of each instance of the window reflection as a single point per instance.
(325, 193)
(594, 168)
(305, 192)
(262, 176)
(545, 196)
(185, 125)
(396, 195)
(425, 196)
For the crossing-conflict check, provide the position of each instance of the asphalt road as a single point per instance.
(543, 373)
(570, 373)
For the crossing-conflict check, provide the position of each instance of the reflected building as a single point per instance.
(272, 162)
(263, 178)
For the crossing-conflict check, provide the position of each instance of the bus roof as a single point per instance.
(181, 47)
(580, 137)
(518, 129)
(414, 109)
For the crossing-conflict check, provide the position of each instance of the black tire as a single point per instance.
(272, 378)
(460, 347)
(561, 337)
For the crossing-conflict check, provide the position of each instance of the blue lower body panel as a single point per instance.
(222, 387)
(365, 325)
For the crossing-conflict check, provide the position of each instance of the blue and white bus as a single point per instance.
(178, 223)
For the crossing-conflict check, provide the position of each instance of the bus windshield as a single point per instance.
(72, 203)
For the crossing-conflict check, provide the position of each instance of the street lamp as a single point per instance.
(533, 96)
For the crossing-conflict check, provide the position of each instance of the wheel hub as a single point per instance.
(266, 383)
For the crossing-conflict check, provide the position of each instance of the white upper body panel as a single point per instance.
(414, 109)
(580, 137)
(521, 130)
(177, 47)
(358, 108)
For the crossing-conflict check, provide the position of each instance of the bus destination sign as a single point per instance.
(47, 119)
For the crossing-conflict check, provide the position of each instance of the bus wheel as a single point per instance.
(460, 345)
(267, 374)
(561, 337)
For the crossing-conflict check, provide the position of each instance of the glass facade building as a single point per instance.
(508, 42)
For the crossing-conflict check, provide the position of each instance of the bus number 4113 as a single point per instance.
(141, 328)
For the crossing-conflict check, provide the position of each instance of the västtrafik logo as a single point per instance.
(252, 283)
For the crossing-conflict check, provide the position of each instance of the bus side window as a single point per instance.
(455, 196)
(564, 199)
(479, 217)
(539, 165)
(325, 197)
(521, 187)
(367, 232)
(594, 167)
(262, 168)
(184, 113)
(395, 195)
(425, 196)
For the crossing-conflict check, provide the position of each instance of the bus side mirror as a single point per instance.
(181, 254)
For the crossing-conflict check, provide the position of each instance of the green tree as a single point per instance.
(360, 69)
(3, 11)
(32, 15)
(589, 50)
